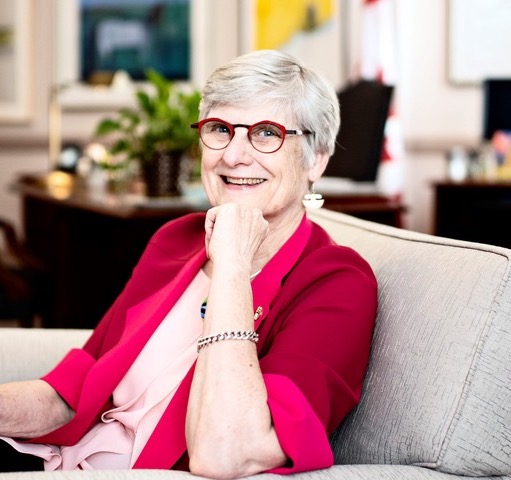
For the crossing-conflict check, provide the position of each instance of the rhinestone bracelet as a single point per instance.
(208, 340)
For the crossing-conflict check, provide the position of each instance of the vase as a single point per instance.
(163, 174)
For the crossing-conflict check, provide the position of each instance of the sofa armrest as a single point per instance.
(29, 353)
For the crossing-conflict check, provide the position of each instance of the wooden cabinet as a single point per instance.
(476, 210)
(88, 245)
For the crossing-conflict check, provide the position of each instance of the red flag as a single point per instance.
(378, 61)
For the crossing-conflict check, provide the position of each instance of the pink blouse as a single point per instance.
(140, 398)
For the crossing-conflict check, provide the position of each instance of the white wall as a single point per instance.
(433, 110)
(23, 146)
(435, 114)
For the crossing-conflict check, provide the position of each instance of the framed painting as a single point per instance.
(134, 35)
(15, 61)
(478, 40)
(307, 29)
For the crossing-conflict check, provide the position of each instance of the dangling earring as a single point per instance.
(313, 200)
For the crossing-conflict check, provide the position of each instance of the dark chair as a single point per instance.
(23, 283)
(365, 106)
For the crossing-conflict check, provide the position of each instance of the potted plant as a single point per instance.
(156, 133)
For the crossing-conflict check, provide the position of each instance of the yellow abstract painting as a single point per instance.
(278, 21)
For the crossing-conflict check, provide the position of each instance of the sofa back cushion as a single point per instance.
(438, 388)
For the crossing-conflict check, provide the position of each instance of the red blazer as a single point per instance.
(318, 305)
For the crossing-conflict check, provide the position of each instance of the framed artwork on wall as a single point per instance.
(15, 61)
(280, 23)
(134, 35)
(96, 38)
(478, 40)
(307, 29)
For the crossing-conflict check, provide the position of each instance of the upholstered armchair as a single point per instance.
(23, 283)
(437, 396)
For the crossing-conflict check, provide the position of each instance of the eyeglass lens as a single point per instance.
(264, 137)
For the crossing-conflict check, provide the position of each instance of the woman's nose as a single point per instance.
(239, 150)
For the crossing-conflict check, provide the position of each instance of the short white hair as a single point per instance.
(275, 77)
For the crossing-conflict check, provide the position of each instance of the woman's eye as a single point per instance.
(219, 128)
(267, 132)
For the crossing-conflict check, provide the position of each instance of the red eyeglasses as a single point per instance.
(264, 136)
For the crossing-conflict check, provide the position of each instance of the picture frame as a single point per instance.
(478, 41)
(301, 29)
(77, 95)
(133, 37)
(15, 61)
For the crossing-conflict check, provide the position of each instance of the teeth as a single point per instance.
(244, 181)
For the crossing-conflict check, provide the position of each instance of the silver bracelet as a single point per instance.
(208, 340)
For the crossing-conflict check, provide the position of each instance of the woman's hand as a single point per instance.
(234, 234)
(229, 428)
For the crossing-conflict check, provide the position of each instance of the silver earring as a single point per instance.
(313, 200)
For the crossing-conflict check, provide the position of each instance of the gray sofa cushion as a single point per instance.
(339, 472)
(438, 388)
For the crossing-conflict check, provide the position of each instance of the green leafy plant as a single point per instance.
(160, 123)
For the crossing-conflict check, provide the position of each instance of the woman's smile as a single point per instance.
(242, 181)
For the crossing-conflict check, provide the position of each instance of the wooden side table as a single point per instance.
(374, 207)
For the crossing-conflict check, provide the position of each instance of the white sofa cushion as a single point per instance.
(27, 353)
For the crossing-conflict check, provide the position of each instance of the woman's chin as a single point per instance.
(243, 197)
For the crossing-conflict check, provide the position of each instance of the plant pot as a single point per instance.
(163, 174)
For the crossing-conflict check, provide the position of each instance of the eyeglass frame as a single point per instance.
(198, 125)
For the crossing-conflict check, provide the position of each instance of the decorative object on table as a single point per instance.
(157, 133)
(458, 164)
(103, 172)
(501, 146)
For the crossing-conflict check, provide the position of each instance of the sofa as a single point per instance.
(436, 402)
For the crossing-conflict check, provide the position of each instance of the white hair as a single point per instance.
(271, 76)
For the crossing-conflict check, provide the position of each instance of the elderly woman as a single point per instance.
(241, 340)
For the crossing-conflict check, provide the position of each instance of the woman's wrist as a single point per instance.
(207, 340)
(235, 269)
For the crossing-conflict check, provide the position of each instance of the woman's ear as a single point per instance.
(317, 169)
